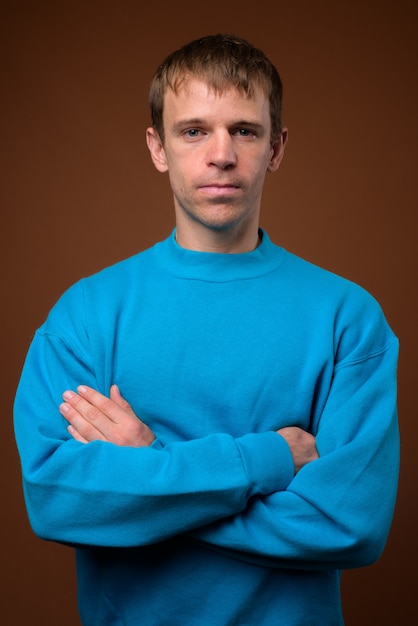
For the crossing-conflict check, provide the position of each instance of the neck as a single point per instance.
(220, 241)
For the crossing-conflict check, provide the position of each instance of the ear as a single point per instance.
(156, 149)
(277, 152)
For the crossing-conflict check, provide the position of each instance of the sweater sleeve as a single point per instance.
(337, 511)
(237, 495)
(102, 494)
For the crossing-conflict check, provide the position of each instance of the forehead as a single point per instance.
(195, 98)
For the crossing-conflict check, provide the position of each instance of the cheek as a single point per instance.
(178, 182)
(259, 175)
(182, 177)
(256, 163)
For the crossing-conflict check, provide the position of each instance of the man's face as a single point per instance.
(217, 151)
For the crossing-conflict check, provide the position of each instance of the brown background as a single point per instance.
(79, 193)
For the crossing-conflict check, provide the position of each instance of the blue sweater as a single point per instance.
(215, 352)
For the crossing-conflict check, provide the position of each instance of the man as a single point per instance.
(228, 437)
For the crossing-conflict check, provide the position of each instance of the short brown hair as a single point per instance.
(222, 61)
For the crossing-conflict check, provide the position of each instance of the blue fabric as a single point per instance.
(215, 352)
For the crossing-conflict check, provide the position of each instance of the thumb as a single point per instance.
(118, 399)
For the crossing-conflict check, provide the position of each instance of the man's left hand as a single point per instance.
(92, 416)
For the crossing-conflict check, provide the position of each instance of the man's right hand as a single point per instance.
(302, 445)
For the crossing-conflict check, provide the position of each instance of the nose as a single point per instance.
(221, 150)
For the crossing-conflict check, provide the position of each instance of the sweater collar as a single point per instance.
(215, 266)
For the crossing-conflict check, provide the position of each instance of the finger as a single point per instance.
(100, 412)
(94, 405)
(82, 408)
(82, 426)
(117, 397)
(76, 435)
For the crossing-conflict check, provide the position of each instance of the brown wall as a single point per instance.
(79, 193)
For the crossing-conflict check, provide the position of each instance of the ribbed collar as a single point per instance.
(215, 266)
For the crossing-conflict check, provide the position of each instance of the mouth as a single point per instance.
(219, 190)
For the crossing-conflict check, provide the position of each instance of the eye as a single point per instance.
(192, 133)
(245, 132)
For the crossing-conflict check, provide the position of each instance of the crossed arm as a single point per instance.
(334, 513)
(92, 416)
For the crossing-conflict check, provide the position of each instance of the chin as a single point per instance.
(222, 219)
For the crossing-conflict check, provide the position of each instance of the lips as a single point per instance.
(219, 189)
